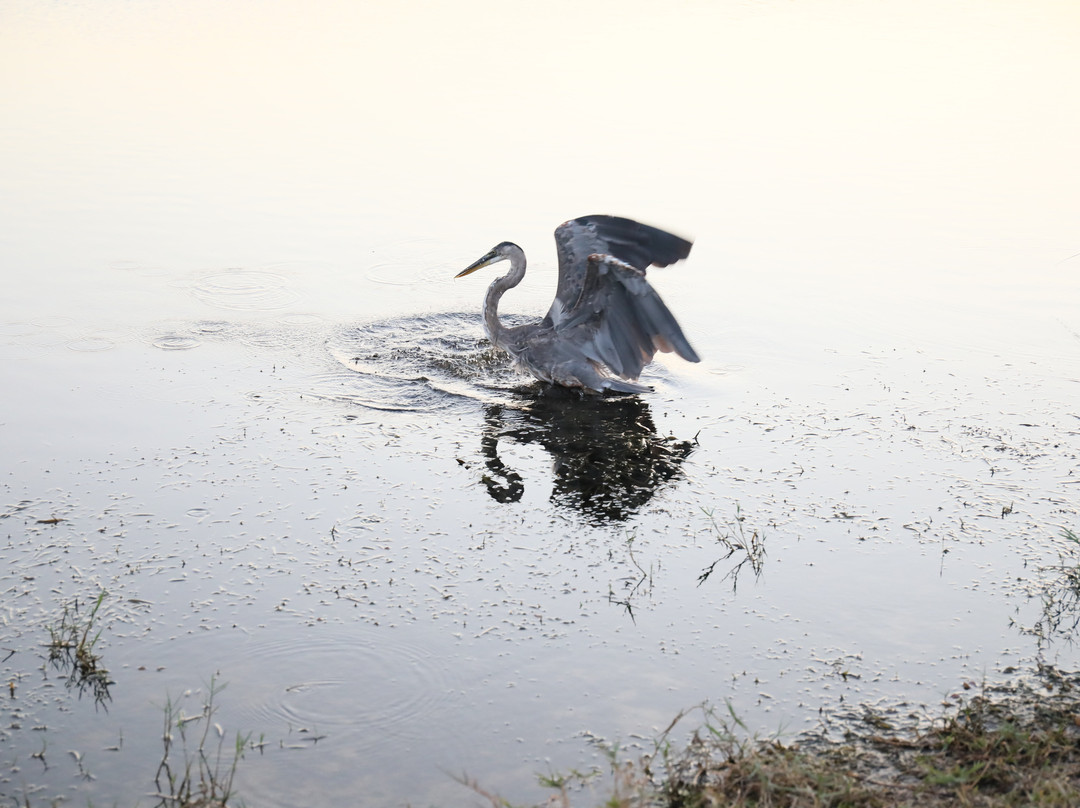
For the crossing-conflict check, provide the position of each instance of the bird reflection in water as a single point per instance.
(608, 458)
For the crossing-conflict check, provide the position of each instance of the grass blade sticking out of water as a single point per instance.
(197, 770)
(746, 548)
(72, 644)
(633, 584)
(1060, 595)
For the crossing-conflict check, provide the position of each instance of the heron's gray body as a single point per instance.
(606, 322)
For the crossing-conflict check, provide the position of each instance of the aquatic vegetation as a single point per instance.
(1060, 594)
(722, 765)
(634, 584)
(197, 769)
(1007, 745)
(629, 787)
(72, 644)
(747, 547)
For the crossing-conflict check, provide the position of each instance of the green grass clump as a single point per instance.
(72, 649)
(1013, 746)
(987, 755)
(1009, 746)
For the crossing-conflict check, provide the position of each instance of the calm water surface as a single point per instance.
(240, 375)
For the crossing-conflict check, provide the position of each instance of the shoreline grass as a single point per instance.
(1004, 746)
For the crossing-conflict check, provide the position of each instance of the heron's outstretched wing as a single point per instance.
(619, 320)
(631, 242)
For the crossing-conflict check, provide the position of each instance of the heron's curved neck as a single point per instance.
(492, 326)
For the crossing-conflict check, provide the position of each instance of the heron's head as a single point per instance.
(500, 252)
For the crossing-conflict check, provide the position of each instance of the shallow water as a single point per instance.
(245, 396)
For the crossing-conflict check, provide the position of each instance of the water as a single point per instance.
(239, 373)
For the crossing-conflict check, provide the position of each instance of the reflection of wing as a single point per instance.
(619, 319)
(637, 244)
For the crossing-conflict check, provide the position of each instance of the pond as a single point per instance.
(246, 399)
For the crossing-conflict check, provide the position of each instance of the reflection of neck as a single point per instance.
(498, 288)
(513, 487)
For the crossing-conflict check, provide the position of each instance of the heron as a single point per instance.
(606, 322)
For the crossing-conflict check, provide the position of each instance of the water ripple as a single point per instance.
(358, 686)
(53, 321)
(175, 342)
(16, 329)
(396, 274)
(91, 344)
(301, 319)
(245, 290)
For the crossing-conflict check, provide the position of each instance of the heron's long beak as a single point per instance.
(490, 258)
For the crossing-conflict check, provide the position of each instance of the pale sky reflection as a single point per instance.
(826, 145)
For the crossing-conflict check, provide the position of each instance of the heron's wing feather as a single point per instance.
(633, 243)
(619, 320)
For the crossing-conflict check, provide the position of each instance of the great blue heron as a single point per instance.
(606, 322)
